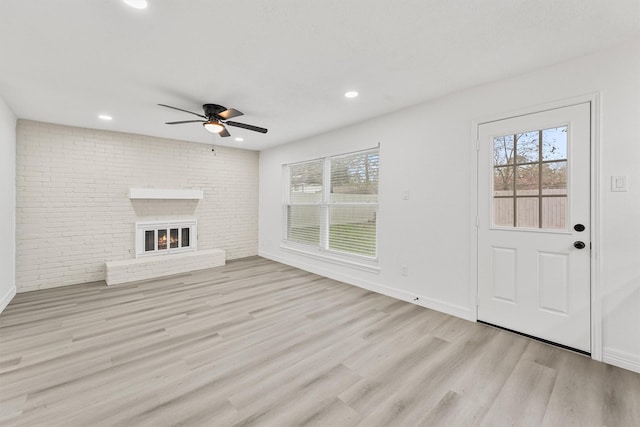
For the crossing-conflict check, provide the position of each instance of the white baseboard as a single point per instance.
(6, 298)
(431, 303)
(621, 359)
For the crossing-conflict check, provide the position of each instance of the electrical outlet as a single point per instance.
(404, 270)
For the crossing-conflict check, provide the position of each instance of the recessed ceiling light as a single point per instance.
(105, 117)
(137, 4)
(351, 94)
(239, 139)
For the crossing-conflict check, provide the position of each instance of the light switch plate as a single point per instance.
(619, 183)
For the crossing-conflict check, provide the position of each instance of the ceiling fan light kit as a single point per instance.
(215, 118)
(213, 127)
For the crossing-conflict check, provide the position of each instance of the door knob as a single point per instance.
(578, 227)
(579, 245)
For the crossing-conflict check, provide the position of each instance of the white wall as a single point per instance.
(73, 206)
(426, 149)
(7, 204)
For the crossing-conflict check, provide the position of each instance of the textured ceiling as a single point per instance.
(284, 63)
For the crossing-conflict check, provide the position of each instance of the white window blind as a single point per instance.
(305, 203)
(332, 203)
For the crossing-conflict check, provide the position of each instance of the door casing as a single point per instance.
(595, 226)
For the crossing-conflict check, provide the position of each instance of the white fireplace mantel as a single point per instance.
(166, 194)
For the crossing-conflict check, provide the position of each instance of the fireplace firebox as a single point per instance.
(165, 237)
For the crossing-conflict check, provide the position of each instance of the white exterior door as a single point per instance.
(534, 225)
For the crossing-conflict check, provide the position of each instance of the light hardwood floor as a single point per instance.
(257, 343)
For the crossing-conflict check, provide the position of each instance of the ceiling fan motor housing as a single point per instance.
(212, 110)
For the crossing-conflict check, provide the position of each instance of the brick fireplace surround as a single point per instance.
(75, 213)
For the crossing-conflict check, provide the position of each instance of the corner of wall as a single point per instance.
(6, 298)
(8, 123)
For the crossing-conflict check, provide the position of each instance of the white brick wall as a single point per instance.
(73, 209)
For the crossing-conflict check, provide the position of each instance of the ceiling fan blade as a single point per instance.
(180, 109)
(246, 126)
(230, 113)
(185, 121)
(224, 133)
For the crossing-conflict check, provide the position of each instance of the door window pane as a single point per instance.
(554, 143)
(527, 182)
(527, 214)
(554, 178)
(527, 144)
(554, 212)
(503, 212)
(503, 150)
(503, 181)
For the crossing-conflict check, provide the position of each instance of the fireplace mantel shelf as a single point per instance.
(166, 194)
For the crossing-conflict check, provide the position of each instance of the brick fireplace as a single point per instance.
(167, 246)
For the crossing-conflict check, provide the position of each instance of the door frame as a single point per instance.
(595, 193)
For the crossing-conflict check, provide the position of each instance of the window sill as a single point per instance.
(352, 261)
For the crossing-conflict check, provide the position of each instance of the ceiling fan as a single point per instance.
(215, 118)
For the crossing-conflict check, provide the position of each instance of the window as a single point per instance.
(530, 179)
(305, 202)
(332, 204)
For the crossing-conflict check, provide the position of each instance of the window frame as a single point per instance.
(514, 164)
(322, 250)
